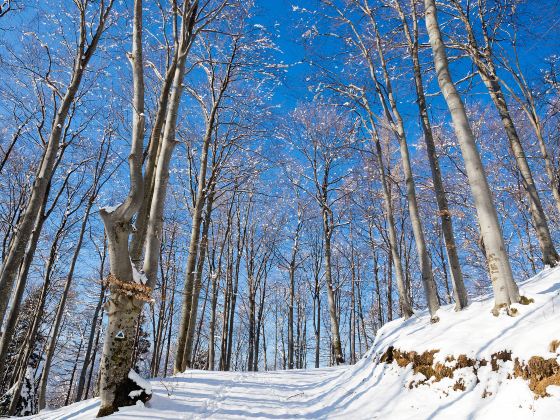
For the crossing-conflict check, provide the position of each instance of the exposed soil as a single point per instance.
(538, 371)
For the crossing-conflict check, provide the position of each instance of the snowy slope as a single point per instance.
(373, 389)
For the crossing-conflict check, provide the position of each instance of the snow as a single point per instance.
(371, 389)
(138, 276)
(110, 209)
(141, 382)
(478, 334)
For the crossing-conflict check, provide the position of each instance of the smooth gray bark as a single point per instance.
(20, 240)
(484, 62)
(394, 117)
(505, 289)
(459, 291)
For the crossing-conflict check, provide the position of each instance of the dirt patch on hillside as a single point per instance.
(538, 371)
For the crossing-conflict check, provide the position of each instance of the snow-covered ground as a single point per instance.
(375, 390)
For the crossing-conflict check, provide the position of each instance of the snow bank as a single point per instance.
(372, 389)
(478, 334)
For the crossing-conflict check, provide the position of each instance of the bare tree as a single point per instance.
(129, 289)
(88, 40)
(483, 58)
(505, 289)
(412, 39)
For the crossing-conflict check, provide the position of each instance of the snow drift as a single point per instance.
(470, 364)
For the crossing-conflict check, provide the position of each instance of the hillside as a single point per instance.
(480, 366)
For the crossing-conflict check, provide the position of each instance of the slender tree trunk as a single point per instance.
(88, 358)
(60, 310)
(93, 357)
(198, 334)
(292, 273)
(180, 360)
(335, 330)
(11, 321)
(377, 290)
(170, 328)
(225, 315)
(31, 338)
(390, 289)
(160, 327)
(404, 300)
(317, 320)
(549, 165)
(233, 298)
(74, 368)
(215, 276)
(459, 291)
(187, 354)
(265, 362)
(292, 270)
(549, 255)
(260, 315)
(505, 289)
(24, 232)
(395, 120)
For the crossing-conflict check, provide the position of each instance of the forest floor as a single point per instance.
(469, 365)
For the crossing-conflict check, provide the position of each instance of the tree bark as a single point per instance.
(188, 353)
(396, 123)
(335, 330)
(123, 306)
(404, 301)
(60, 310)
(549, 255)
(292, 273)
(91, 340)
(505, 289)
(459, 291)
(487, 71)
(45, 170)
(31, 338)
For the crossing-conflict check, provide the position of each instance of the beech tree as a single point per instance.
(129, 288)
(85, 48)
(505, 289)
(483, 58)
(324, 139)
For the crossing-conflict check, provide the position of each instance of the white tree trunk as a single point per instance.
(505, 289)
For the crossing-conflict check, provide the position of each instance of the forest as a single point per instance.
(254, 185)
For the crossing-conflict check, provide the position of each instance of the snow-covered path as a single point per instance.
(240, 395)
(312, 393)
(374, 390)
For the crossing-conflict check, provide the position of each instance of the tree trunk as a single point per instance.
(11, 321)
(397, 126)
(45, 170)
(74, 368)
(30, 341)
(549, 255)
(459, 291)
(154, 150)
(128, 294)
(404, 300)
(60, 310)
(505, 289)
(292, 273)
(187, 355)
(487, 71)
(335, 330)
(91, 339)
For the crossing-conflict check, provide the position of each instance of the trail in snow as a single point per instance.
(373, 390)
